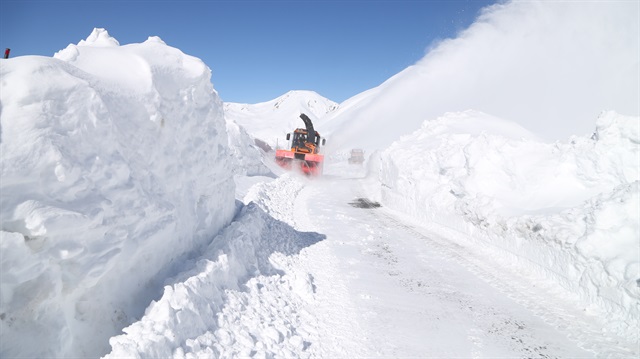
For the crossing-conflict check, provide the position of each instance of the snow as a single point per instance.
(246, 156)
(565, 211)
(270, 121)
(551, 67)
(142, 217)
(107, 183)
(205, 311)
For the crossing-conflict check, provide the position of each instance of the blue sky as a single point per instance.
(257, 50)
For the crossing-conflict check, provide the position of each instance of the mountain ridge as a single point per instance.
(270, 121)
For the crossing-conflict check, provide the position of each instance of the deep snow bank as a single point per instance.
(270, 121)
(114, 167)
(203, 313)
(565, 211)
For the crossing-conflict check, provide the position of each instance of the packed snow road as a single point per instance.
(383, 286)
(391, 290)
(312, 268)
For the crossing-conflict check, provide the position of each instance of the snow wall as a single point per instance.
(565, 211)
(115, 166)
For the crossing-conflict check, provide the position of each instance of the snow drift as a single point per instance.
(568, 212)
(115, 165)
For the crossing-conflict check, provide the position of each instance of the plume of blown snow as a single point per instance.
(548, 66)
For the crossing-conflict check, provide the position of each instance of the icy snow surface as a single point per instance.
(138, 220)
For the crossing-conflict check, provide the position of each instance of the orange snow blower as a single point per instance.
(304, 153)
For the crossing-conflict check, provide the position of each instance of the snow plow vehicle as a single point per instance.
(305, 150)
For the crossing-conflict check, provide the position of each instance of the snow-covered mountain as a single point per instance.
(270, 121)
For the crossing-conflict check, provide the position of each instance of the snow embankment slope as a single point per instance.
(114, 167)
(236, 300)
(564, 211)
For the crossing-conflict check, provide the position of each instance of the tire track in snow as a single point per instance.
(490, 329)
(547, 301)
(336, 326)
(403, 319)
(494, 323)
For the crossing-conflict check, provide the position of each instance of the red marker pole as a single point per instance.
(6, 53)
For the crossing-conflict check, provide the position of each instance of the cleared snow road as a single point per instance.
(311, 269)
(384, 288)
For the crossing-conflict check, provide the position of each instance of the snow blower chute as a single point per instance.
(304, 153)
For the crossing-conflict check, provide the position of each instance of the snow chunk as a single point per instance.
(99, 38)
(156, 39)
